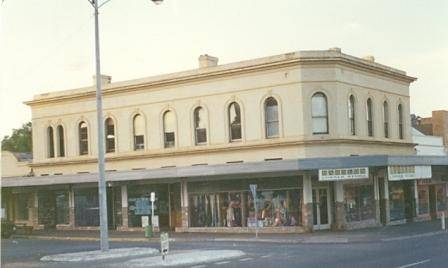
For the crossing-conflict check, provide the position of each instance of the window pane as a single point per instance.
(139, 142)
(169, 122)
(234, 113)
(110, 135)
(83, 139)
(319, 105)
(272, 129)
(320, 125)
(86, 207)
(50, 142)
(201, 135)
(200, 118)
(169, 139)
(139, 125)
(62, 208)
(21, 206)
(235, 131)
(61, 141)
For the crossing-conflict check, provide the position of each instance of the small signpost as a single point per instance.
(164, 245)
(253, 189)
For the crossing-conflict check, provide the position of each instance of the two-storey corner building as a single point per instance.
(325, 137)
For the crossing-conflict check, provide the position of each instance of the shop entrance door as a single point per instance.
(321, 209)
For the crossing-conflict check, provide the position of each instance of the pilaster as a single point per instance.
(307, 207)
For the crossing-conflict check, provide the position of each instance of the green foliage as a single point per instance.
(19, 141)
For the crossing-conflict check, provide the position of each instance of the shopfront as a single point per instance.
(53, 208)
(230, 203)
(405, 194)
(359, 201)
(432, 197)
(140, 206)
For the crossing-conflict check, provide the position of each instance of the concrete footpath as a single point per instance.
(379, 234)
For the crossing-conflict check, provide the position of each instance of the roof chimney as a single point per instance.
(335, 49)
(369, 58)
(105, 79)
(207, 61)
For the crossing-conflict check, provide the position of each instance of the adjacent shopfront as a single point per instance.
(230, 203)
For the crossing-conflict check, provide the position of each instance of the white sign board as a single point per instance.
(340, 174)
(398, 173)
(155, 218)
(145, 221)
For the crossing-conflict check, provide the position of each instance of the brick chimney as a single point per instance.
(207, 61)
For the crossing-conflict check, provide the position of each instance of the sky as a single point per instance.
(49, 45)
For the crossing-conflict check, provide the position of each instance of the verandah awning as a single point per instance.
(277, 167)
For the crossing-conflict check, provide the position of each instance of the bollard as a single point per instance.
(443, 221)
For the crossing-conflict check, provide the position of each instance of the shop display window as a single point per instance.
(423, 200)
(21, 207)
(359, 202)
(87, 207)
(440, 198)
(396, 201)
(139, 204)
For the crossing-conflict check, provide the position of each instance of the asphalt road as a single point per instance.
(430, 251)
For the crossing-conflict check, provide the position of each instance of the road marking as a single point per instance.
(221, 263)
(265, 256)
(414, 264)
(198, 266)
(246, 259)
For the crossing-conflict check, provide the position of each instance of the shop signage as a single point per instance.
(397, 173)
(340, 174)
(145, 221)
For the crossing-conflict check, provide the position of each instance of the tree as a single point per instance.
(20, 140)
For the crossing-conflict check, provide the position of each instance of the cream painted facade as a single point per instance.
(12, 166)
(206, 187)
(290, 78)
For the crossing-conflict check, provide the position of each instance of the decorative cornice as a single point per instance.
(227, 70)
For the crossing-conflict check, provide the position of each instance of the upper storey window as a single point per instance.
(139, 132)
(369, 118)
(351, 114)
(319, 113)
(200, 125)
(400, 121)
(271, 117)
(386, 119)
(83, 138)
(50, 139)
(61, 142)
(234, 114)
(169, 127)
(110, 135)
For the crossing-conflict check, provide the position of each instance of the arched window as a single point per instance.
(83, 138)
(386, 119)
(139, 132)
(271, 117)
(169, 129)
(200, 125)
(234, 114)
(319, 113)
(109, 135)
(400, 121)
(369, 118)
(50, 141)
(351, 114)
(61, 142)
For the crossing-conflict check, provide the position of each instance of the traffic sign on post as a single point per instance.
(164, 244)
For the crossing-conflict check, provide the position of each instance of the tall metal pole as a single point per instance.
(104, 240)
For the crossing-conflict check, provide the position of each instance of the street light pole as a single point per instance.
(104, 232)
(102, 194)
